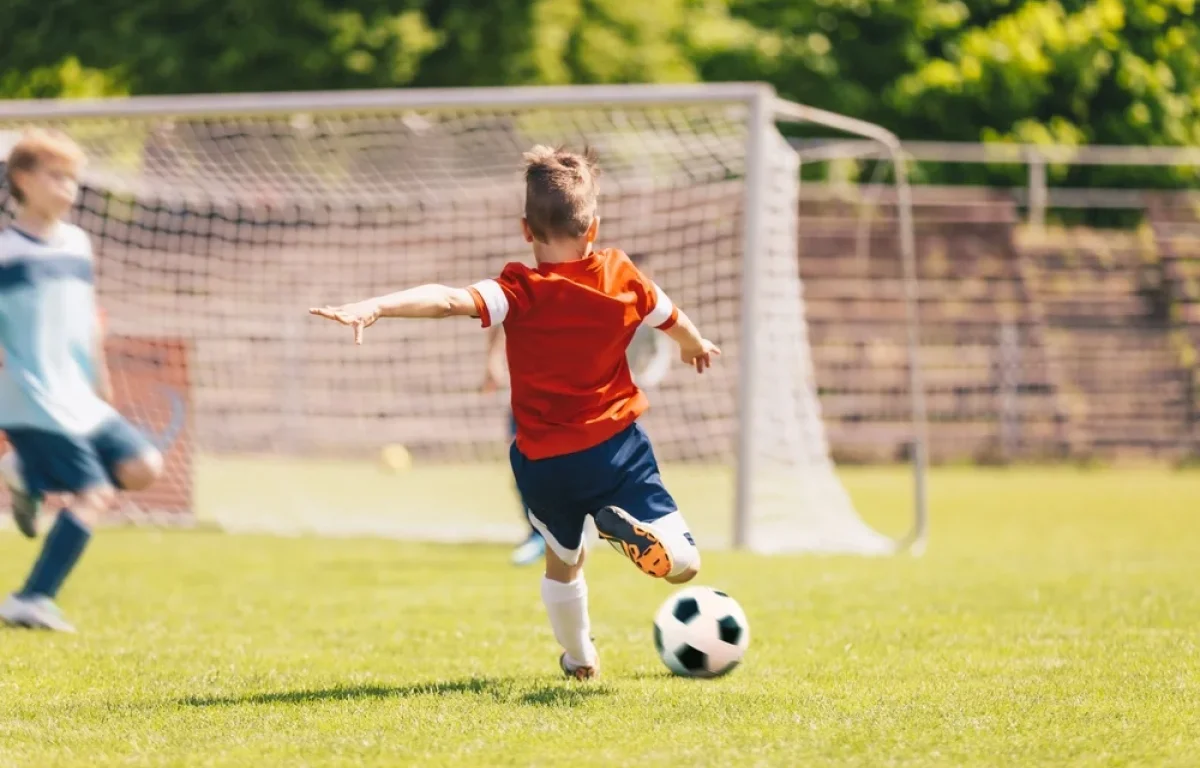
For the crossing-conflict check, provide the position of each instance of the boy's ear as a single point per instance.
(526, 231)
(593, 230)
(19, 178)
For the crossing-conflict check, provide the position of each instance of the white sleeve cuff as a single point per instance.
(494, 299)
(662, 309)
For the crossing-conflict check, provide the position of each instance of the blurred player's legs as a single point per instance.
(530, 550)
(88, 468)
(24, 506)
(533, 547)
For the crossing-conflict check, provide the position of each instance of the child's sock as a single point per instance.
(61, 550)
(567, 607)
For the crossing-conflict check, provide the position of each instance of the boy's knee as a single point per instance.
(561, 571)
(141, 472)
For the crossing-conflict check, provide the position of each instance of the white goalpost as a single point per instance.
(218, 220)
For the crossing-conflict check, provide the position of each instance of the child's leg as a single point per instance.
(673, 531)
(641, 519)
(57, 463)
(565, 594)
(65, 542)
(662, 548)
(131, 462)
(557, 515)
(87, 468)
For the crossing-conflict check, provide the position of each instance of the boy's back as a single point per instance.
(568, 326)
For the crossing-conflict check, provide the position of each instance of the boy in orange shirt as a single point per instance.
(579, 450)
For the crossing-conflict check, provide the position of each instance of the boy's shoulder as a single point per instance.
(77, 237)
(71, 238)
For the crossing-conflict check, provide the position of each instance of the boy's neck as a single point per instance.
(559, 252)
(36, 224)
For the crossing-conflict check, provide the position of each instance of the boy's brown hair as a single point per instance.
(35, 146)
(560, 192)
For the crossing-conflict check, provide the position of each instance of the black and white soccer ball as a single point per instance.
(701, 632)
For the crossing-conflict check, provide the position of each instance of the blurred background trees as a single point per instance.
(1068, 71)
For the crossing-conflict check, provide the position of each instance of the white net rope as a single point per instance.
(799, 504)
(214, 234)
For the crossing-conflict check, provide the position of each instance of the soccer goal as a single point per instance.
(218, 220)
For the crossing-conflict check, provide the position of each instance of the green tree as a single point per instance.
(1103, 71)
(182, 46)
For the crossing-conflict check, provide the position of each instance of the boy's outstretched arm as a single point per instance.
(694, 349)
(423, 301)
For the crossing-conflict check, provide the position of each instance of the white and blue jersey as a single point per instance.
(48, 330)
(67, 437)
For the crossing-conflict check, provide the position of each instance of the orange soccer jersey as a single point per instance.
(567, 328)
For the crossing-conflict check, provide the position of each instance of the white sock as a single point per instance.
(566, 604)
(10, 471)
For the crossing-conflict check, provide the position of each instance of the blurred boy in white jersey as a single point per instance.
(54, 390)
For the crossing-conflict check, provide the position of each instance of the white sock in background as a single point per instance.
(10, 471)
(566, 604)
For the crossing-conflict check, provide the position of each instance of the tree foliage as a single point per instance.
(1101, 71)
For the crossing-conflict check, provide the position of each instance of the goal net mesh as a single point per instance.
(214, 234)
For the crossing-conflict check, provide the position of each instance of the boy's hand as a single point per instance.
(359, 316)
(699, 355)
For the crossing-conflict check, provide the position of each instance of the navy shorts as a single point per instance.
(562, 491)
(52, 462)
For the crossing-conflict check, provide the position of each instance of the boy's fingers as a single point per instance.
(331, 313)
(358, 331)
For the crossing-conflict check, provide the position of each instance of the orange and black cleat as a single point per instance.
(635, 540)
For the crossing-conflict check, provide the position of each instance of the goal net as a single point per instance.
(217, 221)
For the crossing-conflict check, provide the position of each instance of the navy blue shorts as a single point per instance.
(52, 462)
(562, 491)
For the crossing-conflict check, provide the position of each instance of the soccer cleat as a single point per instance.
(529, 551)
(635, 540)
(35, 612)
(25, 507)
(581, 672)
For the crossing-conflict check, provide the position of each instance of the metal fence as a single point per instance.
(1059, 320)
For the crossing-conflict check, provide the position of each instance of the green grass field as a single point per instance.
(1054, 620)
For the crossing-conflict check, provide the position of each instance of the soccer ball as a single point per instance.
(701, 632)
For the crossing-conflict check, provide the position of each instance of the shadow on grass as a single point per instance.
(566, 695)
(478, 686)
(497, 689)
